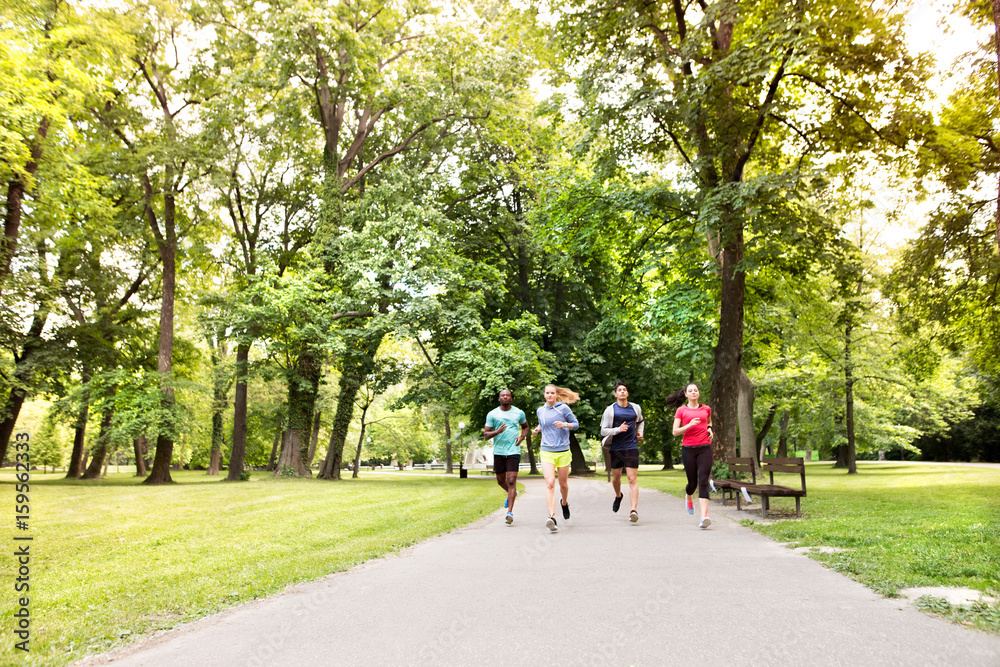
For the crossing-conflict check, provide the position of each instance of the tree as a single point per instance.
(382, 81)
(266, 190)
(54, 60)
(945, 282)
(165, 156)
(749, 98)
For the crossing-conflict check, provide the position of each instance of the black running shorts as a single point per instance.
(506, 463)
(624, 458)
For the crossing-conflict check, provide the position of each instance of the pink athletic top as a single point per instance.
(698, 434)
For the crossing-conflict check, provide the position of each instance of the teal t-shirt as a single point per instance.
(503, 443)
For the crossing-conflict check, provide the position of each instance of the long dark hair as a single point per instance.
(679, 397)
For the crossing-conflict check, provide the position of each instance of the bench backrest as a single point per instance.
(743, 464)
(773, 464)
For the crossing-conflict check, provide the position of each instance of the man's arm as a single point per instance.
(487, 433)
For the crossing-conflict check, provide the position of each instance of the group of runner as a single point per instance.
(622, 427)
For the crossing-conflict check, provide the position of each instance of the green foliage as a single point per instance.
(136, 400)
(48, 446)
(977, 615)
(720, 470)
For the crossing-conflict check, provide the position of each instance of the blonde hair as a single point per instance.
(565, 395)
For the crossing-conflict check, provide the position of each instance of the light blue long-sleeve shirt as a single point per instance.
(556, 439)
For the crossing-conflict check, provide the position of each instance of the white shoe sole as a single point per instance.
(633, 517)
(705, 523)
(509, 519)
(551, 525)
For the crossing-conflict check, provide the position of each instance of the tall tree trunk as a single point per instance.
(15, 400)
(103, 439)
(290, 460)
(744, 410)
(237, 457)
(357, 365)
(215, 462)
(167, 246)
(996, 45)
(303, 387)
(759, 440)
(729, 350)
(140, 456)
(447, 444)
(161, 460)
(274, 449)
(349, 386)
(16, 189)
(313, 439)
(852, 466)
(578, 465)
(75, 468)
(531, 455)
(783, 435)
(668, 459)
(361, 440)
(219, 391)
(24, 373)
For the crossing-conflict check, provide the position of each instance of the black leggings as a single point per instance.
(697, 464)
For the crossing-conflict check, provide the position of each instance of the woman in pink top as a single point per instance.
(694, 421)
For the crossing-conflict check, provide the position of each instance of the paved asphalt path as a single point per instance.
(600, 591)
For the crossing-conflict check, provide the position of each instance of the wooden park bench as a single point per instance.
(770, 465)
(742, 465)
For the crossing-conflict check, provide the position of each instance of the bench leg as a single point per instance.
(798, 508)
(738, 505)
(763, 507)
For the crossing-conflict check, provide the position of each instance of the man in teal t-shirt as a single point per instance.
(507, 426)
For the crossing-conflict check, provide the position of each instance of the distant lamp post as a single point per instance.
(462, 472)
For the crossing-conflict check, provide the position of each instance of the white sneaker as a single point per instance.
(705, 522)
(550, 523)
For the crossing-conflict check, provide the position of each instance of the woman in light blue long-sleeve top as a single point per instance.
(555, 421)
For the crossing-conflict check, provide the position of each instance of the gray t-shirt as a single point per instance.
(556, 439)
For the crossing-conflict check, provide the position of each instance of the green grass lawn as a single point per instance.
(112, 560)
(902, 525)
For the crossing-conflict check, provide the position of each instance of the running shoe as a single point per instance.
(509, 518)
(617, 504)
(565, 509)
(705, 522)
(550, 523)
(633, 516)
(690, 505)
